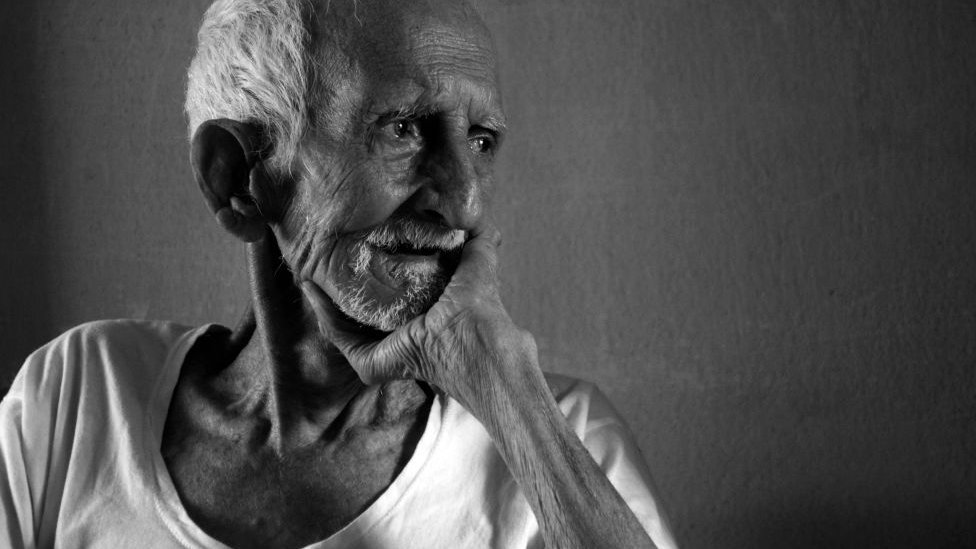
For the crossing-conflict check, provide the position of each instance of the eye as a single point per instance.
(481, 142)
(404, 129)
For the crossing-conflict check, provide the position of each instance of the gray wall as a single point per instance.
(751, 223)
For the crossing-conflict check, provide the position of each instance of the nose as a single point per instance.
(452, 192)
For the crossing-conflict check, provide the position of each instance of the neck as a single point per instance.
(291, 376)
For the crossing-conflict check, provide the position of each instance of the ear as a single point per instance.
(224, 153)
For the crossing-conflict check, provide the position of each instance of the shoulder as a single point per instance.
(612, 445)
(596, 422)
(96, 353)
(79, 403)
(118, 333)
(586, 407)
(92, 375)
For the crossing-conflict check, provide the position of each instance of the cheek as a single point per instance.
(334, 269)
(361, 195)
(319, 254)
(317, 234)
(306, 243)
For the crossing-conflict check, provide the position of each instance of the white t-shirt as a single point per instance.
(80, 461)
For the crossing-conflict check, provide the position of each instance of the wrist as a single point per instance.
(508, 382)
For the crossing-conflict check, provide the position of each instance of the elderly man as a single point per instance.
(377, 394)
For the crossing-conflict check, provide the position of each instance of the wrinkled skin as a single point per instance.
(423, 108)
(282, 432)
(466, 328)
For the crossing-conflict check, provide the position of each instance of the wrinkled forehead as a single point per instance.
(391, 41)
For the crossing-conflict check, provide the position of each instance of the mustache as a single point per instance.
(406, 231)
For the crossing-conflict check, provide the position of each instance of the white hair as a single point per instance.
(252, 65)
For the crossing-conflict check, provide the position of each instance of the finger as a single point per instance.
(479, 257)
(489, 231)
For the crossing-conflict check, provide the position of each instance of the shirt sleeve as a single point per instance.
(31, 418)
(16, 508)
(614, 449)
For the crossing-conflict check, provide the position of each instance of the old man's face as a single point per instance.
(399, 164)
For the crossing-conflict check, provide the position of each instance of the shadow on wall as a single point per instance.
(24, 227)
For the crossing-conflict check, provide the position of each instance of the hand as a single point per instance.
(465, 343)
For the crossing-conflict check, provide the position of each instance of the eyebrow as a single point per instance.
(423, 106)
(496, 123)
(402, 110)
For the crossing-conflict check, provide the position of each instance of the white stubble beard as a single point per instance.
(423, 283)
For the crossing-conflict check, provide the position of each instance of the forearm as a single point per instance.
(467, 345)
(574, 503)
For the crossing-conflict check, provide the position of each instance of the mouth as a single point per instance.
(404, 236)
(404, 255)
(400, 265)
(408, 256)
(406, 248)
(396, 270)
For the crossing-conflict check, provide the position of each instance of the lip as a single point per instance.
(384, 263)
(405, 250)
(401, 256)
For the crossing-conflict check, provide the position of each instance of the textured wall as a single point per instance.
(751, 223)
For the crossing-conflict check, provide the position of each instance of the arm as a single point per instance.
(468, 346)
(573, 501)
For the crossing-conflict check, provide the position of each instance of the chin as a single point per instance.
(396, 272)
(385, 291)
(387, 313)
